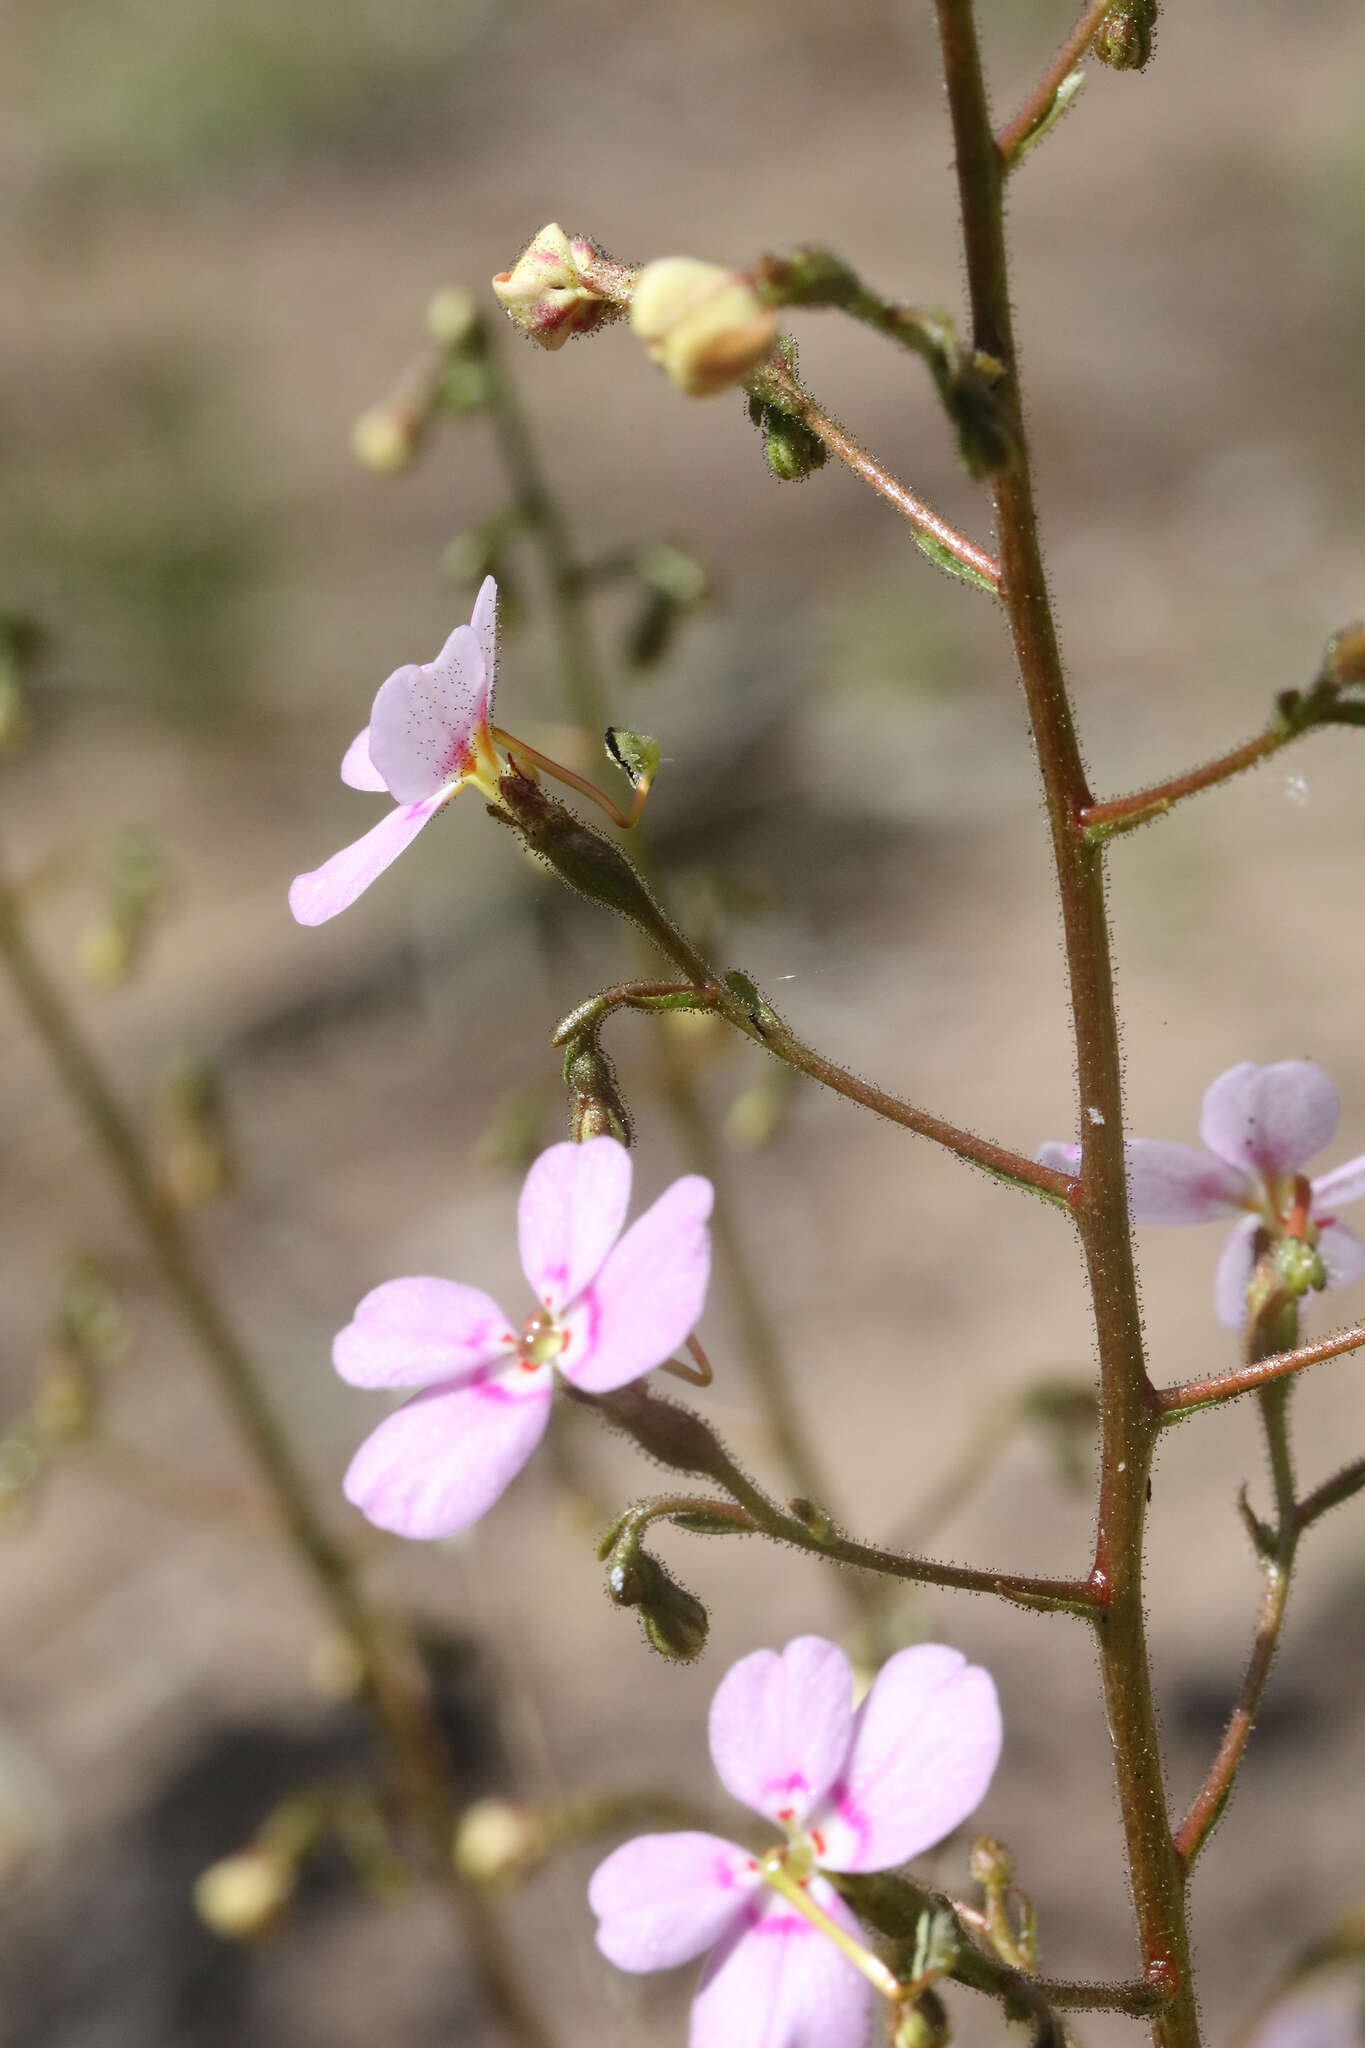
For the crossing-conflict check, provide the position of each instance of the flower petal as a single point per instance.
(1343, 1184)
(1270, 1119)
(1167, 1183)
(424, 719)
(1234, 1273)
(1061, 1158)
(443, 1458)
(781, 1725)
(925, 1744)
(1342, 1253)
(1170, 1183)
(484, 622)
(334, 886)
(357, 769)
(662, 1899)
(777, 1982)
(572, 1207)
(648, 1295)
(416, 1331)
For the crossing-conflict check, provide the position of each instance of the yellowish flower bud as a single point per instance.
(548, 294)
(245, 1895)
(497, 1843)
(705, 326)
(384, 439)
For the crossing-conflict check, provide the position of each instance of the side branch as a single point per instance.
(1331, 700)
(682, 1440)
(1173, 1402)
(943, 544)
(739, 1003)
(1015, 136)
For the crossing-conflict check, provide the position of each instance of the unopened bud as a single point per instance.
(453, 318)
(63, 1400)
(990, 1863)
(1123, 39)
(386, 439)
(1344, 661)
(705, 326)
(923, 2024)
(246, 1895)
(549, 293)
(597, 1108)
(792, 450)
(499, 1844)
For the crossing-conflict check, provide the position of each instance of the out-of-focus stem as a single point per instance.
(397, 1687)
(1128, 1419)
(579, 666)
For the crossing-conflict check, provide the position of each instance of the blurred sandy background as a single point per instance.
(221, 222)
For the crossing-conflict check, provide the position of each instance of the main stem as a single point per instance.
(397, 1686)
(1128, 1419)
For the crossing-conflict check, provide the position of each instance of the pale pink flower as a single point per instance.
(609, 1308)
(851, 1791)
(427, 737)
(1260, 1126)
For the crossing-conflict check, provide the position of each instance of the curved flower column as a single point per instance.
(1260, 1126)
(850, 1791)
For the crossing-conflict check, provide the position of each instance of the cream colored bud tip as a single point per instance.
(496, 1842)
(452, 316)
(244, 1895)
(381, 439)
(705, 326)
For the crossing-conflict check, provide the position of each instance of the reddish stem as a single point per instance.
(1015, 133)
(1244, 1379)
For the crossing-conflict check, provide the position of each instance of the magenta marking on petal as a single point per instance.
(851, 1813)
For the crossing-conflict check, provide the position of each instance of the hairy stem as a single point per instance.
(1278, 1566)
(757, 1020)
(1123, 813)
(680, 1438)
(397, 1688)
(1128, 1419)
(1015, 134)
(942, 542)
(1173, 1402)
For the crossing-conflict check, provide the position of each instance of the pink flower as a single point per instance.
(609, 1309)
(427, 737)
(851, 1791)
(1260, 1126)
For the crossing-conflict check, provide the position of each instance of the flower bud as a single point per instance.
(548, 292)
(704, 325)
(453, 318)
(793, 451)
(597, 1108)
(923, 2024)
(499, 1844)
(385, 439)
(1123, 39)
(245, 1895)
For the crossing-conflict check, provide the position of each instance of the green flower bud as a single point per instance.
(597, 1108)
(1123, 39)
(792, 450)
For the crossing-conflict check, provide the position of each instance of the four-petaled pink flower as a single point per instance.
(608, 1309)
(852, 1792)
(427, 737)
(1260, 1125)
